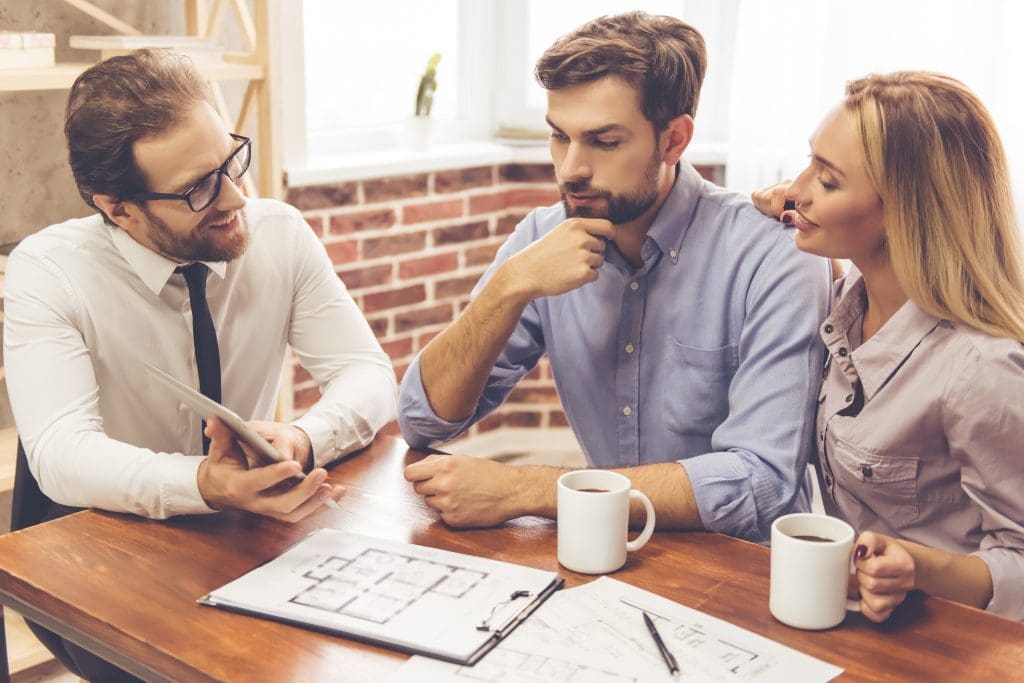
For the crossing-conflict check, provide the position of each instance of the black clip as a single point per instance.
(485, 625)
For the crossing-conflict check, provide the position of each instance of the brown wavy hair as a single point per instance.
(662, 57)
(117, 102)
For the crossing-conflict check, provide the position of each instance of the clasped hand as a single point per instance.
(565, 259)
(226, 479)
(885, 574)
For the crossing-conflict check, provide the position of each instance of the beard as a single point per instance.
(618, 208)
(202, 243)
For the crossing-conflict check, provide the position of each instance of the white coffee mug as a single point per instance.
(593, 518)
(810, 570)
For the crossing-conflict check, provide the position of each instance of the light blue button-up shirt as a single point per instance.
(708, 355)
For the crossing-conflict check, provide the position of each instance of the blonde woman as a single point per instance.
(920, 426)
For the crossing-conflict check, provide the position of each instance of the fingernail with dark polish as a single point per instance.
(862, 552)
(789, 205)
(787, 218)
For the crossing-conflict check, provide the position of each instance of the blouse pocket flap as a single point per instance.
(873, 468)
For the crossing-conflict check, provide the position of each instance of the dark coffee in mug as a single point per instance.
(814, 539)
(592, 490)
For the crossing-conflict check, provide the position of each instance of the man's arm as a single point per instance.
(472, 492)
(469, 368)
(335, 344)
(55, 400)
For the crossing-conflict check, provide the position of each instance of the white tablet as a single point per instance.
(207, 408)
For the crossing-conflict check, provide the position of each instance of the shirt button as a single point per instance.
(828, 480)
(829, 329)
(673, 253)
(627, 411)
(842, 352)
(634, 286)
(849, 398)
(629, 348)
(866, 471)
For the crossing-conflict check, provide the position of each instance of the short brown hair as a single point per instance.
(117, 102)
(662, 57)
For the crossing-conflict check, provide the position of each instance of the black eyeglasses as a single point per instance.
(207, 189)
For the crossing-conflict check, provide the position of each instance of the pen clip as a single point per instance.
(485, 624)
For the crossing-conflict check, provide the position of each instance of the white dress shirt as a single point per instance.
(85, 305)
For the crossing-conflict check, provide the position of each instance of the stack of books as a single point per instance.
(26, 50)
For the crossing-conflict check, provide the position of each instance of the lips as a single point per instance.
(801, 222)
(224, 225)
(584, 198)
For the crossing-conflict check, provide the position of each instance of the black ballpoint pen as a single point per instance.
(670, 660)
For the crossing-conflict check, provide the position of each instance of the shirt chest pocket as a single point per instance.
(696, 396)
(886, 484)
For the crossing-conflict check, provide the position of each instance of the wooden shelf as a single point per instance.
(61, 76)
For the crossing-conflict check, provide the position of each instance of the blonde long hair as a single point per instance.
(938, 164)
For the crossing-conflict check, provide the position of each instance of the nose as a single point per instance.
(798, 191)
(575, 166)
(230, 197)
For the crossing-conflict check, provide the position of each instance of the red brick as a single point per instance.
(394, 298)
(527, 173)
(397, 187)
(522, 419)
(344, 251)
(476, 256)
(300, 376)
(304, 398)
(445, 289)
(506, 225)
(401, 243)
(491, 422)
(433, 211)
(376, 219)
(400, 371)
(529, 199)
(322, 196)
(422, 317)
(556, 418)
(425, 338)
(463, 179)
(428, 265)
(488, 203)
(371, 276)
(399, 348)
(534, 395)
(379, 326)
(461, 233)
(316, 223)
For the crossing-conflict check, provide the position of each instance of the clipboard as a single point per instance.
(205, 407)
(365, 589)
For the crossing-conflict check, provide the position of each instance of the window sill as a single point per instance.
(342, 168)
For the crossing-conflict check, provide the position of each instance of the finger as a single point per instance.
(877, 617)
(426, 487)
(436, 503)
(309, 506)
(884, 585)
(288, 501)
(778, 196)
(255, 482)
(788, 217)
(853, 587)
(868, 544)
(881, 605)
(594, 260)
(599, 227)
(424, 469)
(223, 443)
(595, 244)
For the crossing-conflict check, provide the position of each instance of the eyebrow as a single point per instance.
(184, 187)
(594, 132)
(828, 164)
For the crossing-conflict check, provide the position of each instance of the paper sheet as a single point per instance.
(595, 632)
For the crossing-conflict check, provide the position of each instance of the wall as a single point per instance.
(410, 249)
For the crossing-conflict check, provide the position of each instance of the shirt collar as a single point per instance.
(673, 220)
(152, 268)
(879, 357)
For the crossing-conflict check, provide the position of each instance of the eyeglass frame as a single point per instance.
(220, 172)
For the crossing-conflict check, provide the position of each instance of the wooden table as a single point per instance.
(126, 587)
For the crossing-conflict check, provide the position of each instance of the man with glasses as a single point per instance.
(180, 270)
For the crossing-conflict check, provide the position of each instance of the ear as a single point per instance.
(124, 214)
(676, 138)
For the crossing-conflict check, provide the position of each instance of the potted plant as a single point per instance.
(418, 128)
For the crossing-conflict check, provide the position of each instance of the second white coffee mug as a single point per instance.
(593, 519)
(810, 570)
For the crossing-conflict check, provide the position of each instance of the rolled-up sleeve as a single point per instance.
(984, 422)
(421, 426)
(756, 470)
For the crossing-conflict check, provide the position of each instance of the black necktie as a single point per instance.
(204, 335)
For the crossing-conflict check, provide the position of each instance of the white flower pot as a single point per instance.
(417, 133)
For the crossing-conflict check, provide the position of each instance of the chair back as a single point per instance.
(29, 505)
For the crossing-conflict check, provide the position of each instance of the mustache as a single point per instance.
(582, 187)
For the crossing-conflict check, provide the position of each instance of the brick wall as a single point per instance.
(410, 248)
